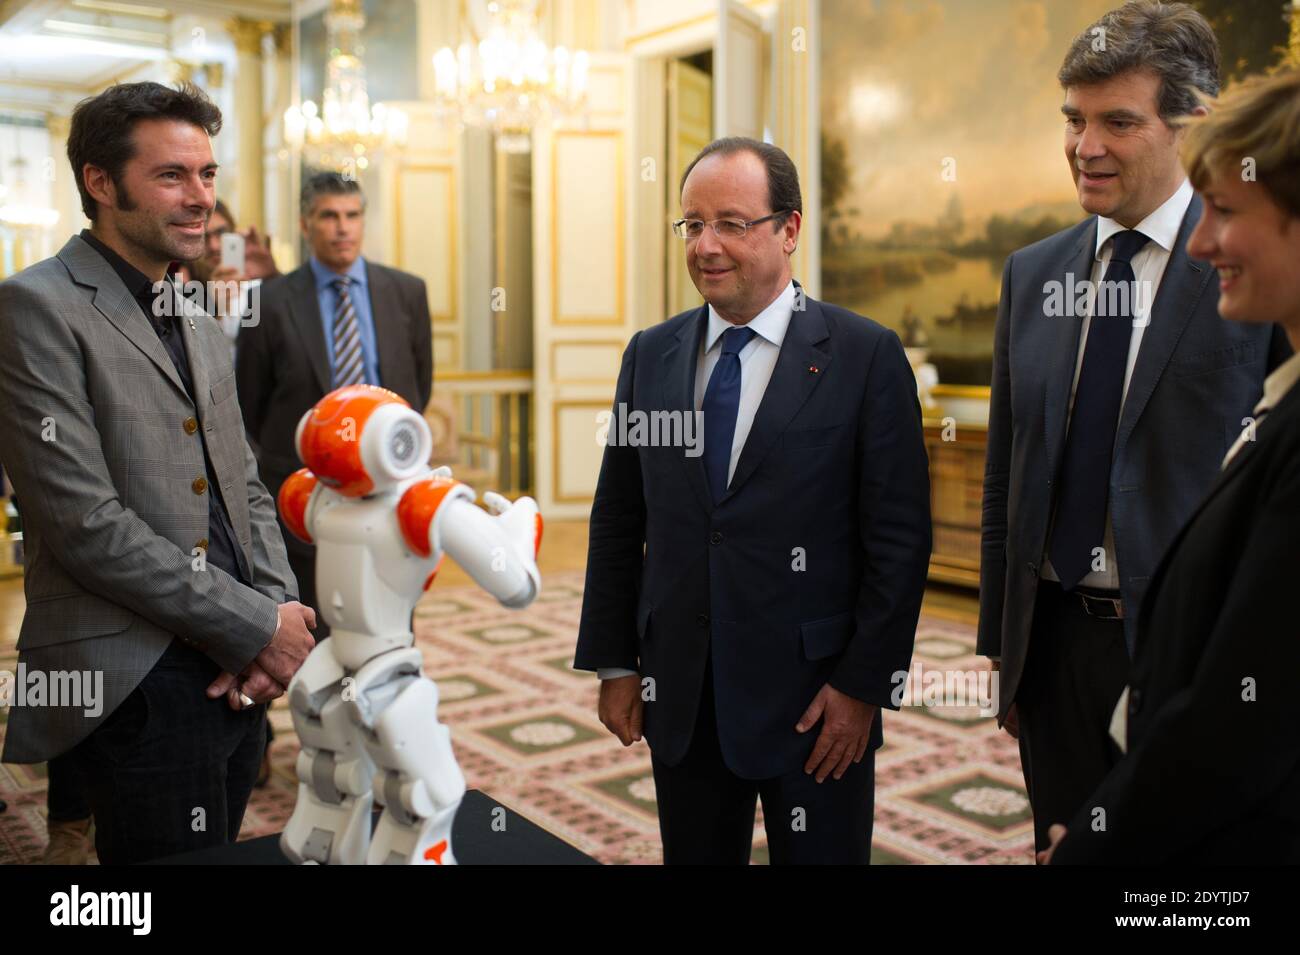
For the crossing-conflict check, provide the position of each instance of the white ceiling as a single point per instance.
(54, 52)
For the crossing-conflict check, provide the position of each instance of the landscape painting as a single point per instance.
(943, 152)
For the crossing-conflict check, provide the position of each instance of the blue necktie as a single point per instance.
(1084, 486)
(721, 403)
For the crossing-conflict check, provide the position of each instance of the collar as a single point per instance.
(325, 276)
(1161, 226)
(1282, 380)
(771, 323)
(136, 282)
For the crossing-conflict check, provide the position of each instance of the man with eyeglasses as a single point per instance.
(751, 606)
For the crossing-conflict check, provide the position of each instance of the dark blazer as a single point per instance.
(1195, 378)
(1212, 777)
(834, 464)
(282, 365)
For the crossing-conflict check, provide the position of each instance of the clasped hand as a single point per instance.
(271, 670)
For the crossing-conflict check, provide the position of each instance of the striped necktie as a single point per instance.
(348, 366)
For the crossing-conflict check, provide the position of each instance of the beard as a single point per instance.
(148, 232)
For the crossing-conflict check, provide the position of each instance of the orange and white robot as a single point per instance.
(366, 715)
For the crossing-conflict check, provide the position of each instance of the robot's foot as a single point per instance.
(327, 834)
(418, 841)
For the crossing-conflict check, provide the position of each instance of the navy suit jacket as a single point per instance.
(834, 468)
(1196, 377)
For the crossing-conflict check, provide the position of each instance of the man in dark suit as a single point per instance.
(1108, 418)
(754, 606)
(1211, 772)
(337, 320)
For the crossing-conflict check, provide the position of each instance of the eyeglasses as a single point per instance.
(722, 228)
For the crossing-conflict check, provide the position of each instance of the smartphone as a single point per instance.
(232, 251)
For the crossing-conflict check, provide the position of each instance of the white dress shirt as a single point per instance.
(1161, 227)
(1276, 385)
(757, 362)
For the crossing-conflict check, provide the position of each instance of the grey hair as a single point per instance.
(327, 184)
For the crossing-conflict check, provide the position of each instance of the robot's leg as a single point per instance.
(331, 821)
(417, 777)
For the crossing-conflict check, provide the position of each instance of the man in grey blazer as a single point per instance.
(1110, 409)
(159, 598)
(336, 320)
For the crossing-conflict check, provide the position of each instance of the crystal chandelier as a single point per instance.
(342, 132)
(510, 80)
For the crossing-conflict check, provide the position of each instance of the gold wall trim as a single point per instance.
(962, 391)
(636, 38)
(619, 225)
(439, 318)
(510, 374)
(442, 333)
(617, 345)
(556, 408)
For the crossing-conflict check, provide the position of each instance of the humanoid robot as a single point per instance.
(366, 716)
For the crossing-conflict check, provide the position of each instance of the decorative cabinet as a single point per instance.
(956, 496)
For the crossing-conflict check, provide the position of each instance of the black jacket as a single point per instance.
(282, 365)
(1212, 774)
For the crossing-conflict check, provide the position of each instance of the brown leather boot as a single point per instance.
(70, 842)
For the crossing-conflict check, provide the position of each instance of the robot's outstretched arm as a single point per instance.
(499, 550)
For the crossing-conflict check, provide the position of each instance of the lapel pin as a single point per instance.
(813, 368)
(192, 328)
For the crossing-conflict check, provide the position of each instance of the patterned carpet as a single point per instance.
(948, 786)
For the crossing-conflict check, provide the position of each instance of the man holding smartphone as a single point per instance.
(230, 257)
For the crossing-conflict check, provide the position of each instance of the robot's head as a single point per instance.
(361, 439)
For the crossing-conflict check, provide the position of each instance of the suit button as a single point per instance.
(202, 544)
(715, 537)
(191, 425)
(1134, 699)
(702, 620)
(200, 485)
(1033, 568)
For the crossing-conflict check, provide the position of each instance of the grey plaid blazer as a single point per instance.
(94, 435)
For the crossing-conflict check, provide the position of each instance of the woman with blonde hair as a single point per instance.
(1211, 773)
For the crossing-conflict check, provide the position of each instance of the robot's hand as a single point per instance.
(521, 520)
(522, 525)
